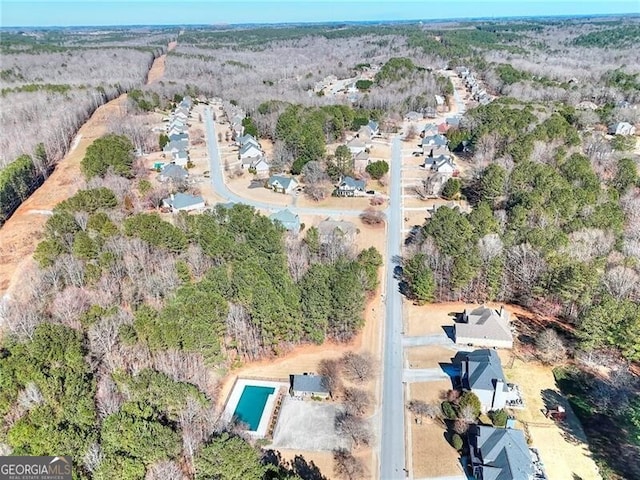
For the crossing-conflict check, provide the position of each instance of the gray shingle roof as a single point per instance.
(438, 140)
(352, 184)
(284, 182)
(309, 383)
(484, 323)
(183, 200)
(481, 369)
(173, 171)
(287, 218)
(501, 453)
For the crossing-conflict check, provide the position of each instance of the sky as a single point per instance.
(171, 12)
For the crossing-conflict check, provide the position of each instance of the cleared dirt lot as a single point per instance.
(20, 235)
(556, 442)
(308, 425)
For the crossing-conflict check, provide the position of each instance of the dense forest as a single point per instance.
(114, 346)
(53, 82)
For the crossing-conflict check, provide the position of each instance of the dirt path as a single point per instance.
(20, 235)
(22, 232)
(157, 69)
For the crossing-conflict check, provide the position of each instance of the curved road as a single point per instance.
(392, 444)
(221, 188)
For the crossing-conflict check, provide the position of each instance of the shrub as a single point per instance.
(448, 411)
(498, 417)
(470, 399)
(377, 169)
(456, 442)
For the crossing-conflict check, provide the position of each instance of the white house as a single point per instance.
(356, 146)
(249, 150)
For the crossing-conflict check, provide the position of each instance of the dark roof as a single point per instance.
(501, 453)
(352, 183)
(309, 383)
(481, 369)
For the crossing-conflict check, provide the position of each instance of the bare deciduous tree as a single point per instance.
(550, 347)
(357, 400)
(358, 367)
(346, 466)
(423, 409)
(330, 370)
(164, 470)
(354, 428)
(92, 457)
(372, 217)
(245, 335)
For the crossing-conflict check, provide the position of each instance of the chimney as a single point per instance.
(172, 196)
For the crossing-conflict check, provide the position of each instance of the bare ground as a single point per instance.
(20, 235)
(556, 442)
(428, 356)
(431, 454)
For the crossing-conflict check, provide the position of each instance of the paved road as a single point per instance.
(392, 445)
(221, 188)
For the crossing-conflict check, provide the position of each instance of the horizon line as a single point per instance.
(333, 22)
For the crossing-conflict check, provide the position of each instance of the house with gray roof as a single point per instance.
(499, 454)
(174, 173)
(429, 130)
(281, 184)
(183, 202)
(178, 137)
(181, 158)
(356, 146)
(249, 150)
(186, 102)
(435, 145)
(350, 187)
(360, 161)
(484, 327)
(481, 373)
(453, 121)
(441, 164)
(289, 220)
(245, 139)
(622, 128)
(176, 146)
(309, 385)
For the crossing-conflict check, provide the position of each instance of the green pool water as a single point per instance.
(251, 405)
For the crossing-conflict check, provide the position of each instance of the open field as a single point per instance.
(428, 319)
(20, 235)
(556, 442)
(429, 391)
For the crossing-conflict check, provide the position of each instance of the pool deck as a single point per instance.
(267, 413)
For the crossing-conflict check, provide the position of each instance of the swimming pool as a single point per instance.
(251, 405)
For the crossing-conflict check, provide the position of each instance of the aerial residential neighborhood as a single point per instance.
(273, 243)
